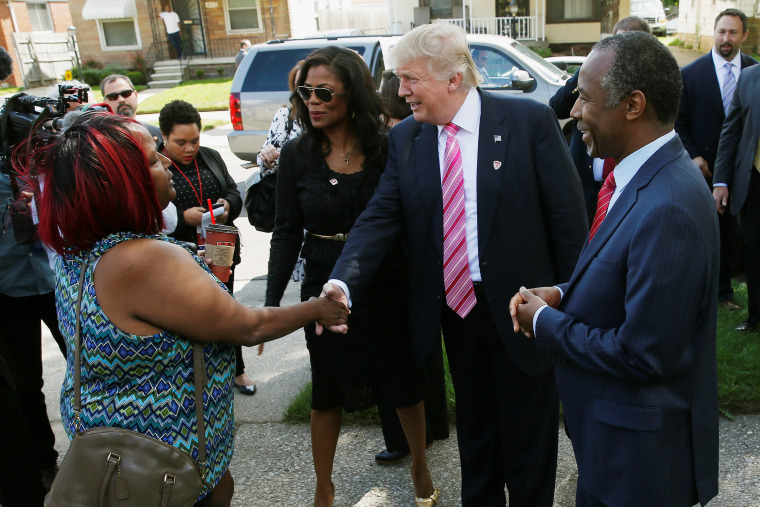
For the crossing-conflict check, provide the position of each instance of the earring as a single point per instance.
(353, 114)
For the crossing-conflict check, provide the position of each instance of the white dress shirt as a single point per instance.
(720, 67)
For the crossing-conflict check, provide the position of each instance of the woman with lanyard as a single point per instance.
(200, 175)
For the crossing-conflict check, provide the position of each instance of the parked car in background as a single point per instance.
(671, 23)
(260, 85)
(569, 64)
(653, 12)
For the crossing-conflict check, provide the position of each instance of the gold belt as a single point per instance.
(337, 237)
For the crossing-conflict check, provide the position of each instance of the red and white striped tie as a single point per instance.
(460, 293)
(605, 194)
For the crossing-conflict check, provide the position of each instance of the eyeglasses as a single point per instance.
(114, 96)
(323, 94)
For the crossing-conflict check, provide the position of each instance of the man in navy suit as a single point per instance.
(707, 91)
(519, 215)
(633, 330)
(590, 170)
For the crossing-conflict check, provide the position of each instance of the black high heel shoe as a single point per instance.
(247, 390)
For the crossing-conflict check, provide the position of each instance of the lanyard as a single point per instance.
(200, 183)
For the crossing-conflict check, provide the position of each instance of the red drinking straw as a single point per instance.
(211, 208)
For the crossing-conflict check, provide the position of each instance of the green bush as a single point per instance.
(220, 71)
(92, 64)
(91, 77)
(199, 74)
(542, 52)
(137, 77)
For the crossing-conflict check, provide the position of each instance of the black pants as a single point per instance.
(750, 219)
(436, 408)
(21, 349)
(507, 421)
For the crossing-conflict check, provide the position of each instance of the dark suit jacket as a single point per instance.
(531, 221)
(635, 340)
(738, 139)
(562, 103)
(701, 114)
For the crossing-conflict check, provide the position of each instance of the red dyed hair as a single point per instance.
(96, 181)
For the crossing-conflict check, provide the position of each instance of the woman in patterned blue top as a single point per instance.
(144, 297)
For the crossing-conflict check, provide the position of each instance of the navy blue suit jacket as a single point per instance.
(531, 220)
(701, 114)
(635, 340)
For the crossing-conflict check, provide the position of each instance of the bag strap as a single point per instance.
(199, 377)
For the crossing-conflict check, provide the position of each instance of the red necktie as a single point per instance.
(605, 194)
(460, 293)
(609, 166)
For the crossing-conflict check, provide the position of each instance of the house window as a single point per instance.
(573, 10)
(39, 17)
(118, 34)
(243, 15)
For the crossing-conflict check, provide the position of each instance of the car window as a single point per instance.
(269, 70)
(493, 65)
(550, 72)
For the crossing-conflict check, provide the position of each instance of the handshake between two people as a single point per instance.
(524, 305)
(334, 292)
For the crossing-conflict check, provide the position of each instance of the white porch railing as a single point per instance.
(518, 27)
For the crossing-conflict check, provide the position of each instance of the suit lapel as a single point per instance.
(493, 140)
(628, 198)
(428, 175)
(713, 87)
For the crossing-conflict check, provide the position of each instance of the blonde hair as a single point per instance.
(445, 48)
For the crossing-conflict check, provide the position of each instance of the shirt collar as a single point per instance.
(720, 62)
(468, 116)
(630, 165)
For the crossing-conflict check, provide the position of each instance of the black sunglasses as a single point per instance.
(126, 94)
(323, 94)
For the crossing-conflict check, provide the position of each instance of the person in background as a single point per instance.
(736, 183)
(119, 93)
(200, 174)
(144, 297)
(436, 408)
(513, 208)
(172, 23)
(245, 45)
(709, 84)
(591, 171)
(633, 329)
(325, 178)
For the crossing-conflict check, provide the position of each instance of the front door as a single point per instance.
(189, 12)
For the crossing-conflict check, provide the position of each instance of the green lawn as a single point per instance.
(205, 95)
(738, 373)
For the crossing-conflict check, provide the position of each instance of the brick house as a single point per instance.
(114, 31)
(26, 17)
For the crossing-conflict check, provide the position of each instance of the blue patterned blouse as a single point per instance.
(142, 383)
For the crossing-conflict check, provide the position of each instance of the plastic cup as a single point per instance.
(220, 247)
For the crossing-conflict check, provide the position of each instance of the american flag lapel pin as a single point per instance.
(333, 181)
(497, 139)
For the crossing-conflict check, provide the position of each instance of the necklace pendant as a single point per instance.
(346, 160)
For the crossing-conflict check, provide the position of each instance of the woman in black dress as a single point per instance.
(200, 174)
(326, 177)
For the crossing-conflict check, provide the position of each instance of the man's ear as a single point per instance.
(455, 82)
(636, 104)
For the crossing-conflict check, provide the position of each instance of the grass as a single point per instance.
(738, 373)
(206, 95)
(10, 91)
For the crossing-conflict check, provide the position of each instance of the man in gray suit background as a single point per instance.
(736, 175)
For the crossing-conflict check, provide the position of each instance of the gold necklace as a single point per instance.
(347, 155)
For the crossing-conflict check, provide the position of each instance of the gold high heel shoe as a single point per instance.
(430, 501)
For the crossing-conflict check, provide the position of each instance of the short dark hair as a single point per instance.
(97, 182)
(641, 62)
(632, 24)
(113, 77)
(177, 112)
(364, 106)
(733, 12)
(396, 107)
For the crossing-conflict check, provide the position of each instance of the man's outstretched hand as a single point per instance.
(332, 291)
